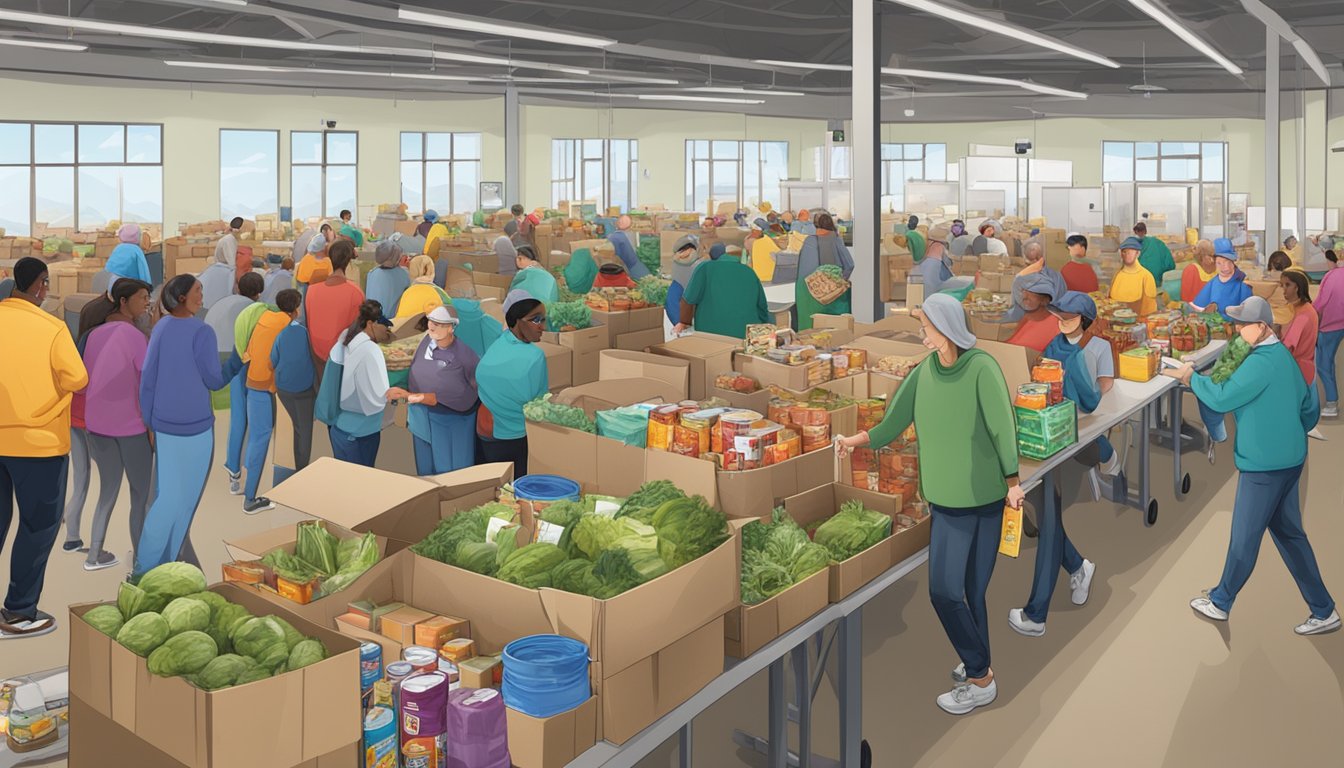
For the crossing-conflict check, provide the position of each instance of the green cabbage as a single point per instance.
(852, 530)
(143, 633)
(575, 576)
(506, 543)
(688, 529)
(253, 674)
(477, 557)
(595, 533)
(565, 514)
(620, 570)
(777, 555)
(257, 636)
(544, 410)
(222, 671)
(564, 314)
(530, 566)
(654, 288)
(187, 613)
(184, 654)
(169, 581)
(469, 525)
(292, 635)
(354, 557)
(223, 622)
(105, 618)
(644, 502)
(307, 652)
(291, 567)
(212, 599)
(131, 600)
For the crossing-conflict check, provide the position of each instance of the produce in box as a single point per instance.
(544, 410)
(852, 530)
(777, 555)
(569, 316)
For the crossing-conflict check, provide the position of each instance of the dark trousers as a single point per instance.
(38, 485)
(299, 406)
(963, 547)
(356, 450)
(511, 451)
(1053, 550)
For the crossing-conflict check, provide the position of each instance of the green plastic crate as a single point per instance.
(1042, 434)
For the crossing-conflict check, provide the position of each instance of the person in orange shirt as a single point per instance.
(1078, 274)
(1038, 327)
(1198, 272)
(41, 372)
(261, 394)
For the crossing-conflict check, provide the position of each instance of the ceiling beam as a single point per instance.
(1275, 23)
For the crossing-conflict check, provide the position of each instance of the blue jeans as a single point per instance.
(356, 450)
(1105, 448)
(1269, 501)
(1053, 549)
(1214, 422)
(237, 421)
(451, 445)
(183, 467)
(38, 486)
(1327, 344)
(260, 423)
(963, 547)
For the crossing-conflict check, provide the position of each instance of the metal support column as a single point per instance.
(851, 689)
(513, 148)
(1301, 222)
(865, 151)
(1273, 205)
(778, 756)
(685, 746)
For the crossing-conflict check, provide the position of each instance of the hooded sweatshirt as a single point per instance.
(364, 385)
(41, 371)
(181, 370)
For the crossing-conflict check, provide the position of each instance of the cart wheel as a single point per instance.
(1185, 483)
(865, 755)
(1151, 517)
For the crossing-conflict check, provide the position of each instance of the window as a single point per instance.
(79, 176)
(911, 162)
(441, 171)
(249, 173)
(1163, 161)
(322, 173)
(605, 171)
(738, 172)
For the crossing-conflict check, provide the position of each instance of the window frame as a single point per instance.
(226, 215)
(572, 181)
(75, 165)
(888, 167)
(695, 166)
(323, 164)
(1200, 178)
(453, 162)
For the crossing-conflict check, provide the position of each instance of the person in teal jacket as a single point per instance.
(475, 328)
(1155, 256)
(127, 259)
(533, 278)
(511, 374)
(581, 271)
(723, 298)
(968, 462)
(1274, 411)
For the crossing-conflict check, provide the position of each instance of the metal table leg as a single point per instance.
(1147, 504)
(851, 690)
(802, 693)
(778, 755)
(685, 744)
(1180, 479)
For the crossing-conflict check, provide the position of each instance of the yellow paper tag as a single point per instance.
(1010, 540)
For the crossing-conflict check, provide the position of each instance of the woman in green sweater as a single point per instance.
(958, 401)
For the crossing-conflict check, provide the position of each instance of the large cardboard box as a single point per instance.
(622, 364)
(552, 742)
(620, 323)
(304, 715)
(709, 357)
(639, 341)
(559, 365)
(594, 339)
(767, 372)
(618, 393)
(747, 628)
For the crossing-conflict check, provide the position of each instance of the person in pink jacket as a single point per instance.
(1330, 307)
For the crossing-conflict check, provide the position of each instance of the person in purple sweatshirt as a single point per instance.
(182, 368)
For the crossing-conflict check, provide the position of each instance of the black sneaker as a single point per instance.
(15, 626)
(73, 546)
(259, 504)
(101, 561)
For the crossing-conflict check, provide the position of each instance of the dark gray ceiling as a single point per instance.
(698, 43)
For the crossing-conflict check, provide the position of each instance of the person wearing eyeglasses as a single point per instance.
(512, 373)
(443, 399)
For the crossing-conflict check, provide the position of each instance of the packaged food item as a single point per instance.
(662, 421)
(370, 667)
(816, 437)
(1033, 396)
(788, 445)
(1139, 364)
(732, 424)
(858, 359)
(31, 725)
(249, 572)
(1047, 370)
(420, 658)
(840, 365)
(736, 382)
(870, 413)
(380, 739)
(459, 650)
(424, 709)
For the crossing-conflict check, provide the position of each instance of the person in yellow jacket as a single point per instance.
(41, 372)
(436, 230)
(422, 295)
(1134, 285)
(761, 249)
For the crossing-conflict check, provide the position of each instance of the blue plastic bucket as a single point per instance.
(545, 675)
(546, 488)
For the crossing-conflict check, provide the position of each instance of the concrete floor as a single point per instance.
(1134, 678)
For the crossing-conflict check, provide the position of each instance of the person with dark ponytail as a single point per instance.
(182, 368)
(355, 391)
(512, 373)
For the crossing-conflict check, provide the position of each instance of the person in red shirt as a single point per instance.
(1078, 274)
(332, 305)
(1038, 327)
(613, 276)
(1198, 272)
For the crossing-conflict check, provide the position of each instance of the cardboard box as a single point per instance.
(838, 322)
(586, 367)
(620, 323)
(559, 365)
(552, 742)
(305, 715)
(623, 364)
(608, 395)
(847, 577)
(709, 357)
(639, 341)
(747, 628)
(594, 339)
(399, 625)
(480, 672)
(767, 372)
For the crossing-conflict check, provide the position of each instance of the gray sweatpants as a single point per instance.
(116, 457)
(78, 473)
(299, 406)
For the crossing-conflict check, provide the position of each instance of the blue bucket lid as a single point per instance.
(546, 488)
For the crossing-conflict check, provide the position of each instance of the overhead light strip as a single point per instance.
(709, 99)
(229, 67)
(1164, 17)
(997, 27)
(801, 65)
(924, 74)
(505, 30)
(745, 91)
(45, 44)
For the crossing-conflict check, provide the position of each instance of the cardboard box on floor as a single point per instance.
(305, 715)
(709, 357)
(622, 364)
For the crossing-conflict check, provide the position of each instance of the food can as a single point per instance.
(423, 753)
(424, 719)
(380, 738)
(731, 425)
(370, 666)
(421, 659)
(662, 421)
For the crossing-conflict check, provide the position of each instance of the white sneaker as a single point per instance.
(1205, 607)
(1315, 626)
(1315, 434)
(1081, 582)
(965, 697)
(1330, 411)
(236, 484)
(1017, 619)
(1112, 468)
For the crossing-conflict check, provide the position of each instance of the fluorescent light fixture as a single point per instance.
(746, 91)
(710, 99)
(632, 79)
(228, 67)
(1164, 17)
(1021, 34)
(801, 65)
(925, 74)
(50, 46)
(505, 30)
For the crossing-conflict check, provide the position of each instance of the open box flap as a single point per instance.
(616, 393)
(473, 479)
(350, 495)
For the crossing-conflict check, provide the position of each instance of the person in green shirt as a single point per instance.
(1274, 410)
(1155, 256)
(723, 297)
(915, 240)
(958, 401)
(533, 278)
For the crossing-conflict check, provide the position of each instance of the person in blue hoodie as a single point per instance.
(1227, 289)
(626, 244)
(1274, 410)
(128, 259)
(182, 368)
(685, 258)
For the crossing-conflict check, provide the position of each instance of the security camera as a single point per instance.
(1022, 146)
(329, 123)
(909, 113)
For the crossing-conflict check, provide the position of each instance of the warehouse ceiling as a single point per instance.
(665, 49)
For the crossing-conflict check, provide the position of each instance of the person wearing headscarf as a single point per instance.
(804, 225)
(332, 305)
(581, 272)
(1198, 272)
(761, 249)
(961, 239)
(436, 230)
(422, 229)
(970, 452)
(626, 244)
(533, 278)
(507, 255)
(279, 276)
(182, 368)
(422, 295)
(388, 280)
(128, 259)
(613, 275)
(685, 258)
(221, 277)
(1154, 256)
(512, 373)
(41, 372)
(1079, 274)
(443, 401)
(1274, 412)
(1037, 327)
(223, 321)
(989, 240)
(1034, 254)
(1134, 285)
(356, 399)
(723, 297)
(914, 239)
(823, 248)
